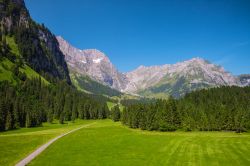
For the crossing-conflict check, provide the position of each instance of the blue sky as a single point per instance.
(153, 32)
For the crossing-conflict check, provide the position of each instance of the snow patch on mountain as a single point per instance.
(97, 60)
(94, 64)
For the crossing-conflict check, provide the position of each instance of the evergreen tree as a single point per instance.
(50, 116)
(16, 114)
(2, 115)
(28, 121)
(115, 112)
(61, 119)
(74, 113)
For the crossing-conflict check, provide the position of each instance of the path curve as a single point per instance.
(30, 157)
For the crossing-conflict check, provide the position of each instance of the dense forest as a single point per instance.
(31, 102)
(216, 109)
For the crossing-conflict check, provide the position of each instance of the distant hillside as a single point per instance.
(88, 85)
(179, 79)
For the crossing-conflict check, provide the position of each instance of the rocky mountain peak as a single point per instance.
(197, 59)
(93, 63)
(93, 56)
(244, 79)
(196, 72)
(176, 79)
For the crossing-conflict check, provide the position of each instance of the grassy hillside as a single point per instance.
(176, 87)
(111, 105)
(6, 73)
(13, 46)
(16, 144)
(86, 84)
(6, 65)
(109, 143)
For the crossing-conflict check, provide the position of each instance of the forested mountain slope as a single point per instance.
(36, 45)
(86, 84)
(35, 86)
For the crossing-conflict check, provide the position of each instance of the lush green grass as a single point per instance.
(32, 73)
(110, 104)
(6, 65)
(6, 73)
(16, 144)
(13, 46)
(109, 143)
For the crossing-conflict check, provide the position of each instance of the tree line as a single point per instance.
(216, 109)
(31, 102)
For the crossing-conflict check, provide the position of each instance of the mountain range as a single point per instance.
(155, 81)
(43, 54)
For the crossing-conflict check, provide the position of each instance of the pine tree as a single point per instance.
(50, 116)
(2, 115)
(16, 114)
(116, 114)
(74, 112)
(28, 121)
(61, 119)
(9, 121)
(86, 110)
(81, 110)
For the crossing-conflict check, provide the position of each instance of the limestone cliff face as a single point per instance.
(93, 63)
(244, 79)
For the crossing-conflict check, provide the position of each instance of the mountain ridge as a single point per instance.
(168, 79)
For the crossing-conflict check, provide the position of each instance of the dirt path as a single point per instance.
(30, 157)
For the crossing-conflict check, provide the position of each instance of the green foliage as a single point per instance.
(13, 46)
(86, 84)
(225, 108)
(31, 102)
(61, 118)
(16, 72)
(115, 113)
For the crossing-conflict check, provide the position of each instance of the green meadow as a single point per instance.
(109, 143)
(17, 144)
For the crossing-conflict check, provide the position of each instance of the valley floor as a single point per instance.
(109, 143)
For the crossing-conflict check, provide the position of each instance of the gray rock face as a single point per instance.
(244, 79)
(195, 71)
(94, 64)
(175, 79)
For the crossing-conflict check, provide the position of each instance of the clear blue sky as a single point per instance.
(153, 32)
